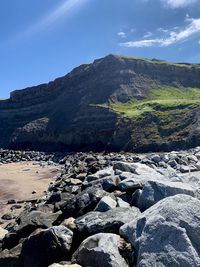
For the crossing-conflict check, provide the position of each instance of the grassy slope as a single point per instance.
(166, 116)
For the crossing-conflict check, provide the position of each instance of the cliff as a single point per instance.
(114, 103)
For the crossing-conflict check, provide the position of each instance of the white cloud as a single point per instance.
(179, 3)
(171, 38)
(148, 34)
(121, 34)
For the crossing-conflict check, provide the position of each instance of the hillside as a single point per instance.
(115, 103)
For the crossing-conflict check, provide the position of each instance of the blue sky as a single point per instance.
(42, 40)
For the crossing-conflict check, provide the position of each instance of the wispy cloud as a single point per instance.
(62, 10)
(170, 38)
(148, 34)
(179, 3)
(121, 34)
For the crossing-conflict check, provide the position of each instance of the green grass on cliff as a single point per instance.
(167, 115)
(162, 97)
(158, 61)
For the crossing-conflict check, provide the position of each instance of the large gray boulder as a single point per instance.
(136, 168)
(100, 250)
(135, 175)
(47, 247)
(154, 191)
(109, 221)
(167, 234)
(100, 174)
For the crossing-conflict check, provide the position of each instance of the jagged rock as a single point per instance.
(48, 246)
(27, 223)
(100, 174)
(100, 250)
(135, 197)
(105, 204)
(107, 222)
(82, 203)
(46, 208)
(136, 168)
(167, 234)
(11, 258)
(154, 191)
(134, 181)
(36, 219)
(108, 184)
(8, 216)
(3, 233)
(155, 158)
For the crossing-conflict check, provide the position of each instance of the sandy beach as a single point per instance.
(19, 180)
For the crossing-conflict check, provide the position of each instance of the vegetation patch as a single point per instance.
(167, 115)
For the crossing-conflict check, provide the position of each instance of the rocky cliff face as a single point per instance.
(75, 112)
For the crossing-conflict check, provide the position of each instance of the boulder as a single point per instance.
(154, 191)
(36, 219)
(3, 233)
(167, 234)
(106, 183)
(156, 158)
(105, 204)
(82, 203)
(27, 223)
(136, 168)
(47, 247)
(100, 250)
(100, 174)
(11, 258)
(108, 222)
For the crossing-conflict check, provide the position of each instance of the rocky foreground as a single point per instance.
(108, 210)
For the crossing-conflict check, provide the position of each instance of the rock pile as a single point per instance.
(111, 210)
(11, 156)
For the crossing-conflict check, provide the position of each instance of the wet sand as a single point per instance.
(19, 180)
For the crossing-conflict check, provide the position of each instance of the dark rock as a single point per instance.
(106, 222)
(84, 202)
(11, 258)
(7, 216)
(47, 247)
(27, 223)
(105, 204)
